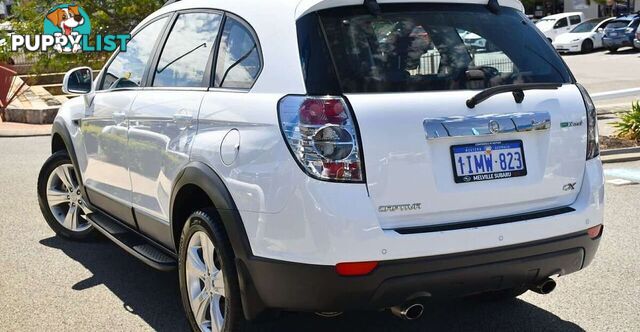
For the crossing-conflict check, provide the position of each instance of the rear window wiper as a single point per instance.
(516, 89)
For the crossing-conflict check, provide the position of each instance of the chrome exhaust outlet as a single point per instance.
(329, 314)
(408, 312)
(545, 287)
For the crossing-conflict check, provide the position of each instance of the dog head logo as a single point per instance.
(67, 20)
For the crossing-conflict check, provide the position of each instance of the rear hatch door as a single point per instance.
(429, 158)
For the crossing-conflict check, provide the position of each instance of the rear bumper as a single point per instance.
(617, 42)
(301, 287)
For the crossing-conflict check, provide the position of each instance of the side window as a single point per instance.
(575, 19)
(127, 69)
(238, 63)
(562, 23)
(185, 55)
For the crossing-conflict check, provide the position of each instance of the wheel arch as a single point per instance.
(198, 184)
(57, 143)
(61, 140)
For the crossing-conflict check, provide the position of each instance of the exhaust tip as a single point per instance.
(329, 314)
(545, 287)
(408, 312)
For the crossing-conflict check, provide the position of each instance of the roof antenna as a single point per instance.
(494, 6)
(373, 7)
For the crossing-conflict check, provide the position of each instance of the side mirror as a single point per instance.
(78, 81)
(600, 30)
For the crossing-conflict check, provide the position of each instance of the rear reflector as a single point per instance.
(595, 232)
(356, 269)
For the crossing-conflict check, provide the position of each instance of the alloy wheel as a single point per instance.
(65, 199)
(205, 283)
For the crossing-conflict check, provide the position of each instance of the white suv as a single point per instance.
(325, 156)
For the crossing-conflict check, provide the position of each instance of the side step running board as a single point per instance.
(133, 243)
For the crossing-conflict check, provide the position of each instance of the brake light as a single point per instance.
(593, 140)
(356, 269)
(595, 232)
(322, 137)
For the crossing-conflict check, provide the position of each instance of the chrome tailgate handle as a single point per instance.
(486, 125)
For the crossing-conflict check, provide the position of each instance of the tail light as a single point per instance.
(593, 143)
(322, 136)
(356, 269)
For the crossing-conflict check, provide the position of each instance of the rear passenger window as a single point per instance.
(238, 63)
(127, 69)
(562, 23)
(575, 19)
(183, 62)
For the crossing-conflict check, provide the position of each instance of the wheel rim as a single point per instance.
(65, 199)
(205, 283)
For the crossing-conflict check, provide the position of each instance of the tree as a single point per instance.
(107, 17)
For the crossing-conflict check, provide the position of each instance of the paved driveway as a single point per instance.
(602, 71)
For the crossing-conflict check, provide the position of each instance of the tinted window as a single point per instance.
(184, 59)
(562, 23)
(618, 24)
(238, 63)
(575, 20)
(437, 47)
(128, 67)
(586, 26)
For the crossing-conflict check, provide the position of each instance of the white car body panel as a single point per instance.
(327, 223)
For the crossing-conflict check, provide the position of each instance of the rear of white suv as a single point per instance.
(347, 155)
(432, 171)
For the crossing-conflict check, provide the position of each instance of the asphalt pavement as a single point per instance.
(47, 283)
(603, 71)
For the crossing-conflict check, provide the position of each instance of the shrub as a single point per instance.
(629, 125)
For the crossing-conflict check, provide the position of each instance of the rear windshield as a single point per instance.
(426, 48)
(618, 24)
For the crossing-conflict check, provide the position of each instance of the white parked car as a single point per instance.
(311, 163)
(585, 37)
(554, 25)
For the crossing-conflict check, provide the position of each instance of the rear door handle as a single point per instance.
(183, 118)
(119, 117)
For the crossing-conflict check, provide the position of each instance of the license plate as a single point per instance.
(614, 34)
(488, 161)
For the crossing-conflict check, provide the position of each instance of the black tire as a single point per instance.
(58, 159)
(502, 295)
(587, 46)
(613, 50)
(207, 221)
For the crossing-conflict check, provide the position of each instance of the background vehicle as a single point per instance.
(555, 25)
(636, 42)
(340, 158)
(585, 37)
(621, 32)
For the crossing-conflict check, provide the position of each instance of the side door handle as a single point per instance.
(183, 119)
(119, 117)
